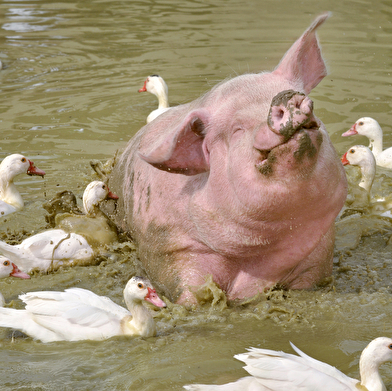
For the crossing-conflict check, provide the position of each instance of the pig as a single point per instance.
(243, 184)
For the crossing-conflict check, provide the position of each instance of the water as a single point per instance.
(69, 95)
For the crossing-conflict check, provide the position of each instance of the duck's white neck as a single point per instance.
(9, 193)
(92, 210)
(368, 172)
(371, 379)
(91, 204)
(142, 322)
(375, 140)
(162, 95)
(368, 369)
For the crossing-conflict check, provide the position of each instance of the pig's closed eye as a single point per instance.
(238, 128)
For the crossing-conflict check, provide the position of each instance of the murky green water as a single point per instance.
(69, 95)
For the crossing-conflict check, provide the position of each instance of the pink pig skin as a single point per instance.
(242, 183)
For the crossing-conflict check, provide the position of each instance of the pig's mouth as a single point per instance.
(264, 155)
(304, 143)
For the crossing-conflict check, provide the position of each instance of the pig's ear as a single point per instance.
(182, 151)
(303, 62)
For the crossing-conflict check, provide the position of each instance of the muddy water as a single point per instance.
(69, 95)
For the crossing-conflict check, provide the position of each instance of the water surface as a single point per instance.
(69, 95)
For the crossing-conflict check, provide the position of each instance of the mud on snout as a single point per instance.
(291, 116)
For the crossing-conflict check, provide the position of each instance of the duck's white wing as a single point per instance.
(245, 384)
(41, 250)
(48, 243)
(6, 209)
(384, 159)
(281, 371)
(76, 314)
(324, 367)
(23, 321)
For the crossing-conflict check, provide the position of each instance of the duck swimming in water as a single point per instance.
(157, 86)
(278, 371)
(12, 166)
(79, 314)
(369, 127)
(72, 243)
(9, 269)
(94, 225)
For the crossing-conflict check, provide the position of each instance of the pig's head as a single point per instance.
(255, 127)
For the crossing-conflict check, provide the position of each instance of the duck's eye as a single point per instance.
(352, 150)
(360, 123)
(6, 263)
(23, 160)
(104, 187)
(140, 285)
(390, 346)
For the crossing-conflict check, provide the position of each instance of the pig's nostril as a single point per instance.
(280, 114)
(298, 102)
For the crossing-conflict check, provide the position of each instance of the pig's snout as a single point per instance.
(291, 111)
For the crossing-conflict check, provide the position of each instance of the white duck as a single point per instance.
(95, 193)
(157, 86)
(370, 128)
(279, 371)
(79, 314)
(48, 250)
(11, 166)
(94, 225)
(8, 268)
(362, 156)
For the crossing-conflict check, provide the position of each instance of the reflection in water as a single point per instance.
(69, 95)
(24, 20)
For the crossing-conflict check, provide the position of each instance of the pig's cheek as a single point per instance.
(307, 147)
